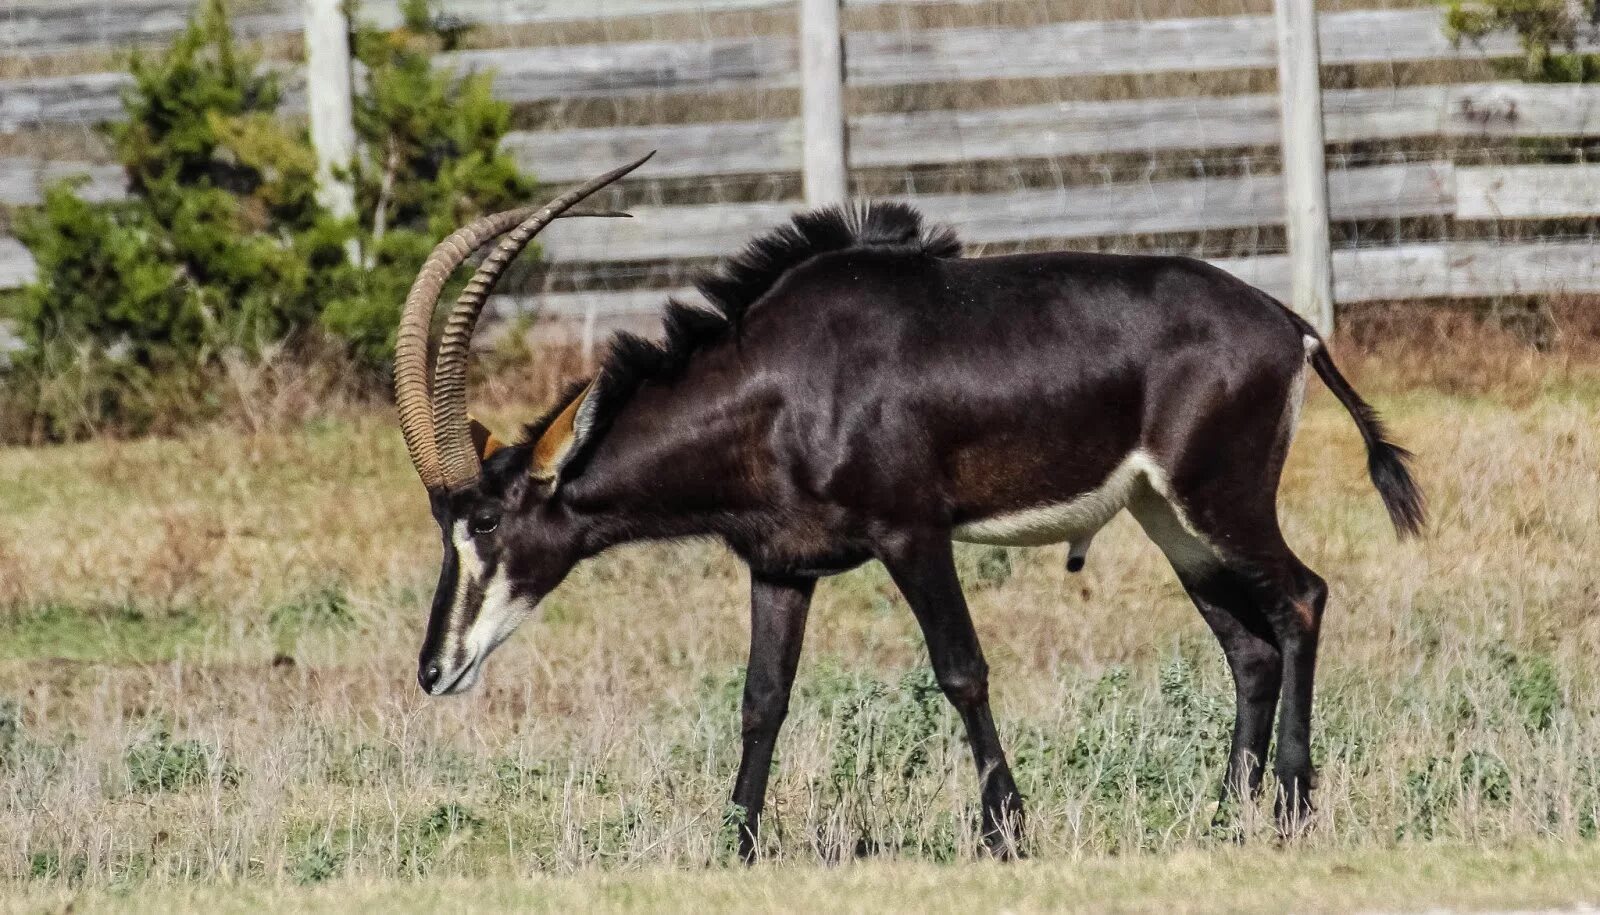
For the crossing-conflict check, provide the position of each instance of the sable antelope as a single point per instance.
(858, 391)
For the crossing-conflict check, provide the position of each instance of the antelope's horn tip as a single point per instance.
(579, 214)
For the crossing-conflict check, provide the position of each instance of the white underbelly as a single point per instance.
(1073, 521)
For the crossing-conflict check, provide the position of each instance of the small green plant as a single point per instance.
(1535, 688)
(427, 837)
(993, 566)
(156, 763)
(317, 861)
(1429, 796)
(889, 742)
(325, 608)
(734, 818)
(49, 865)
(10, 733)
(1485, 775)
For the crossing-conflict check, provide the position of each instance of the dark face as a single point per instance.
(506, 545)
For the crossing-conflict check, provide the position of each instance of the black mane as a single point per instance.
(738, 284)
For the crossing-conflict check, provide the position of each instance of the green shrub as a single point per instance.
(315, 862)
(1535, 688)
(425, 838)
(222, 248)
(156, 763)
(1549, 31)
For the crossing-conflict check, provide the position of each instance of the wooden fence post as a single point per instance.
(1305, 174)
(333, 131)
(827, 177)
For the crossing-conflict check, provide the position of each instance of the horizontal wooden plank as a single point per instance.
(576, 71)
(1529, 192)
(87, 98)
(1141, 46)
(683, 150)
(23, 180)
(1463, 269)
(1066, 49)
(1094, 127)
(47, 28)
(1040, 131)
(1072, 128)
(1466, 269)
(16, 264)
(52, 27)
(35, 28)
(667, 233)
(873, 58)
(1383, 192)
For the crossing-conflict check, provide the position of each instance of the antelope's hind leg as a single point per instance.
(1265, 608)
(1227, 603)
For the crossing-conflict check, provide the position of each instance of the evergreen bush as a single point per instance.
(221, 249)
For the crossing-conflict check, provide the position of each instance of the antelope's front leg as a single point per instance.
(778, 608)
(924, 569)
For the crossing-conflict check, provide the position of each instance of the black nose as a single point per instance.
(428, 676)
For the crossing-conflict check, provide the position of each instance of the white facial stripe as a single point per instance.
(499, 612)
(469, 569)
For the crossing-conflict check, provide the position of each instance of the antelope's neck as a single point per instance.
(679, 460)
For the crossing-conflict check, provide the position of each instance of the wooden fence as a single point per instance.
(990, 137)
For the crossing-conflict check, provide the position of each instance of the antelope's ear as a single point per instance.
(483, 441)
(560, 441)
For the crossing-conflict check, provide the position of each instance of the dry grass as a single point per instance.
(1218, 880)
(211, 643)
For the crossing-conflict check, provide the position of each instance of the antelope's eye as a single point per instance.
(485, 522)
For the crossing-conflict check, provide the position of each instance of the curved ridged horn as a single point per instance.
(416, 323)
(457, 458)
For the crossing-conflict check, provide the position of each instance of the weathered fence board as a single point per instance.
(872, 58)
(1066, 49)
(23, 180)
(1383, 192)
(1070, 128)
(1039, 131)
(53, 27)
(667, 233)
(1460, 269)
(50, 27)
(86, 98)
(1529, 192)
(683, 150)
(16, 264)
(44, 28)
(1414, 271)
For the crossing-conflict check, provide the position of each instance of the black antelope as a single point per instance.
(858, 391)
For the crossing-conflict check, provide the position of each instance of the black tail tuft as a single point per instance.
(1388, 465)
(1386, 462)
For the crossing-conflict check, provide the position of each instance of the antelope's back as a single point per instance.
(998, 379)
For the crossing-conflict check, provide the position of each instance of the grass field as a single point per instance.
(207, 699)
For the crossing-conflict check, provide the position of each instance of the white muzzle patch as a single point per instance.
(499, 613)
